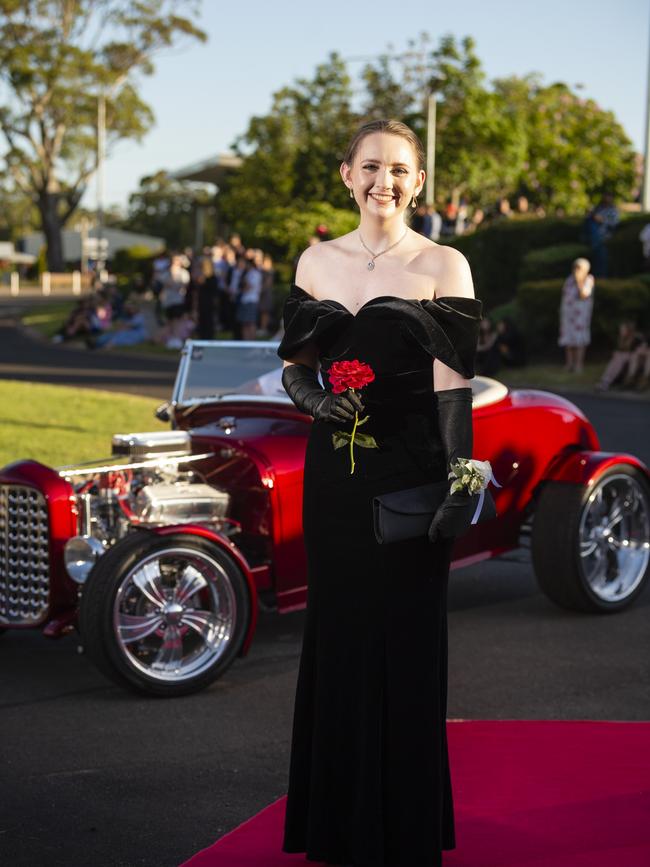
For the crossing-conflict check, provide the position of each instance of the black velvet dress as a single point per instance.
(369, 780)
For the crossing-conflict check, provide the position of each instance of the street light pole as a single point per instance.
(101, 152)
(431, 149)
(645, 193)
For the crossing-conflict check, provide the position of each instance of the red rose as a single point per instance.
(350, 374)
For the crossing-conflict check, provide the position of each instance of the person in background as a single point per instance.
(160, 267)
(461, 218)
(522, 205)
(488, 359)
(502, 210)
(418, 219)
(576, 308)
(80, 322)
(248, 302)
(449, 219)
(436, 223)
(510, 343)
(600, 224)
(129, 330)
(639, 363)
(102, 313)
(629, 341)
(644, 237)
(478, 216)
(173, 293)
(206, 292)
(235, 286)
(266, 296)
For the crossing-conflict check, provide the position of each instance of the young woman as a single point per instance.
(369, 780)
(575, 315)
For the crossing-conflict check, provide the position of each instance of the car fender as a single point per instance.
(234, 552)
(584, 467)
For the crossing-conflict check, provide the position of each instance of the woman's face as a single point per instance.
(580, 271)
(384, 175)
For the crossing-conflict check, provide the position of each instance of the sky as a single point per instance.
(203, 95)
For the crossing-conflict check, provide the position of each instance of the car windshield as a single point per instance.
(209, 369)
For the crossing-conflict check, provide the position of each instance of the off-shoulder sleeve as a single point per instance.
(448, 330)
(305, 318)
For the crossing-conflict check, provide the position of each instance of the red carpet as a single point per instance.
(526, 794)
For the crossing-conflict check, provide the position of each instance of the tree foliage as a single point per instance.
(56, 58)
(167, 208)
(501, 138)
(295, 150)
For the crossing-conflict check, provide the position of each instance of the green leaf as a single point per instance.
(365, 440)
(363, 420)
(340, 438)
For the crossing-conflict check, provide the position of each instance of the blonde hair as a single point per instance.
(581, 262)
(391, 127)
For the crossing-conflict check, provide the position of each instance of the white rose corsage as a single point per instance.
(472, 477)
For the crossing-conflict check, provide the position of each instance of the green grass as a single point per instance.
(550, 375)
(59, 425)
(49, 318)
(553, 377)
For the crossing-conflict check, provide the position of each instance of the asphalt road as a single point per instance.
(90, 774)
(25, 359)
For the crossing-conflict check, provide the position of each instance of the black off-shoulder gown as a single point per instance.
(369, 779)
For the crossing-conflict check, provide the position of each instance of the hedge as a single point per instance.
(551, 262)
(518, 250)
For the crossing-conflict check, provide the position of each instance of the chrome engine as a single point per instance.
(151, 480)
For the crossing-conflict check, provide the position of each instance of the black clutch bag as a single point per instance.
(408, 514)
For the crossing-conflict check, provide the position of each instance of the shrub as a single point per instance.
(495, 253)
(549, 262)
(133, 260)
(507, 253)
(284, 232)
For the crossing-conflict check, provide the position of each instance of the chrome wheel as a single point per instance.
(614, 537)
(174, 614)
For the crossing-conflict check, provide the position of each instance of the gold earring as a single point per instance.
(414, 202)
(351, 193)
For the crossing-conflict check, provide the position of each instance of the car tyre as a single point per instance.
(590, 545)
(164, 615)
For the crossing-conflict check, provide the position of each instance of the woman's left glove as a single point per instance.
(455, 513)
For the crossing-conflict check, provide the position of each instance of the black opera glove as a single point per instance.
(455, 513)
(301, 384)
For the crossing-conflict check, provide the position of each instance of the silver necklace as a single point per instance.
(371, 264)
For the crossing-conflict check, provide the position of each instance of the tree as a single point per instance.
(507, 136)
(574, 149)
(478, 147)
(167, 207)
(295, 150)
(57, 58)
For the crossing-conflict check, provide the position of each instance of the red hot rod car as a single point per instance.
(161, 553)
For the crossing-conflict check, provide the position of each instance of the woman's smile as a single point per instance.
(383, 198)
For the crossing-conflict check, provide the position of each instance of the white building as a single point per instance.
(72, 240)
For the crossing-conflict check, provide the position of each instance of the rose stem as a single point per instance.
(356, 421)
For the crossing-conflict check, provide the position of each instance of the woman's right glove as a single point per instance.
(301, 384)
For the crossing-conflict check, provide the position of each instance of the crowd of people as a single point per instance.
(459, 218)
(226, 287)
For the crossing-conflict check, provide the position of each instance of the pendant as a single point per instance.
(371, 266)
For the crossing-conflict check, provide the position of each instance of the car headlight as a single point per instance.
(80, 555)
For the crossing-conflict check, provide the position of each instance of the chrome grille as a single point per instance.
(24, 555)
